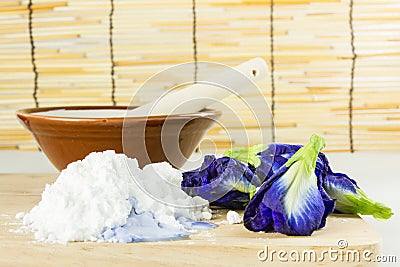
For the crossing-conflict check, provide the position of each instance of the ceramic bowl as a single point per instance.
(67, 134)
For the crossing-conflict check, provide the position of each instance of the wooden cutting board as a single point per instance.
(228, 245)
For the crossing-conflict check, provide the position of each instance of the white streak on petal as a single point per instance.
(299, 189)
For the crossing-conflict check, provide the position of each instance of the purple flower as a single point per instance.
(224, 182)
(292, 200)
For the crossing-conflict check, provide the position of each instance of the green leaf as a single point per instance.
(246, 155)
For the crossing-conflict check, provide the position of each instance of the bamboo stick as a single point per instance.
(312, 64)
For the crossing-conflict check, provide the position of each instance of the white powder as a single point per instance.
(84, 113)
(233, 217)
(159, 190)
(95, 195)
(19, 215)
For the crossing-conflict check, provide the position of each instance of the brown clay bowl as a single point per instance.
(65, 139)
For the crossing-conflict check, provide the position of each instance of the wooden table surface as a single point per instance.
(228, 245)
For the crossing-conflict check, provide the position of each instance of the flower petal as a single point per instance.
(351, 199)
(224, 182)
(257, 216)
(286, 205)
(291, 199)
(295, 195)
(329, 203)
(273, 158)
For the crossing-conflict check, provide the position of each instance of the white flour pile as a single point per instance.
(98, 199)
(233, 217)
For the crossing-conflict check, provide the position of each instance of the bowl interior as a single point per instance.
(67, 134)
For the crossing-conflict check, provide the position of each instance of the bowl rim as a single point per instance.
(30, 113)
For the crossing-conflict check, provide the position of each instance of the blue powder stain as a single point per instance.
(144, 226)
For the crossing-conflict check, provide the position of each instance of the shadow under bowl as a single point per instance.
(65, 139)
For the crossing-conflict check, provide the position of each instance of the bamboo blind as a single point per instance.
(335, 65)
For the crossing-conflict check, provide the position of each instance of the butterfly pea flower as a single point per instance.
(224, 182)
(349, 197)
(290, 201)
(272, 159)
